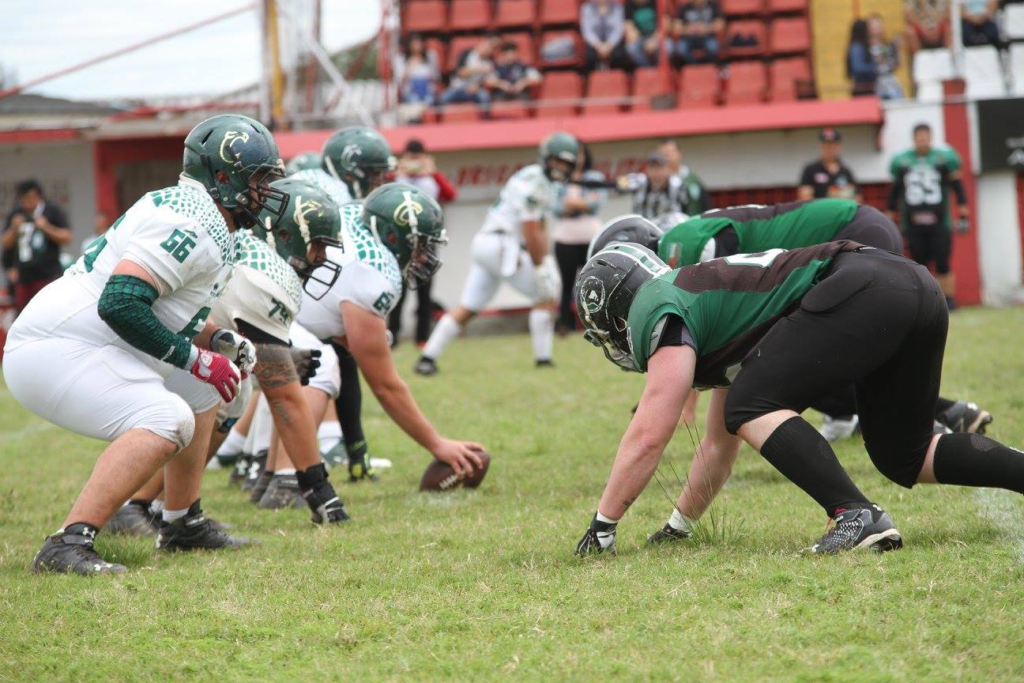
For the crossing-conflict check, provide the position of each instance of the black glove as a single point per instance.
(599, 538)
(320, 496)
(306, 363)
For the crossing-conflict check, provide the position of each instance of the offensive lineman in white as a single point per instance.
(91, 352)
(513, 247)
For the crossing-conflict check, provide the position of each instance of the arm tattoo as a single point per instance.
(627, 503)
(274, 366)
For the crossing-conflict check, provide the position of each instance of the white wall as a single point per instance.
(999, 248)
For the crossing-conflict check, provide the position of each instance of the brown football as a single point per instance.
(439, 476)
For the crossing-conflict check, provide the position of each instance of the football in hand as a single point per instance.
(439, 476)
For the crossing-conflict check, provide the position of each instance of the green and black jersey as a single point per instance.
(921, 186)
(755, 228)
(727, 304)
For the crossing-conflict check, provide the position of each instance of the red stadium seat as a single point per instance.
(560, 85)
(790, 35)
(648, 83)
(785, 76)
(524, 41)
(560, 12)
(779, 6)
(455, 49)
(425, 16)
(746, 29)
(515, 13)
(747, 83)
(460, 113)
(510, 110)
(734, 8)
(469, 15)
(439, 48)
(699, 86)
(548, 36)
(606, 86)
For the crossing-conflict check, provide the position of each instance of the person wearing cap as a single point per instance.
(828, 176)
(416, 167)
(658, 190)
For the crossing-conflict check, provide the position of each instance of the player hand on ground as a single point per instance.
(599, 538)
(306, 363)
(237, 348)
(219, 372)
(462, 456)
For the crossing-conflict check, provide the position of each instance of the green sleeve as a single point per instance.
(953, 162)
(126, 305)
(894, 166)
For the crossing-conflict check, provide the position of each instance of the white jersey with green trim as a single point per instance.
(264, 290)
(177, 235)
(370, 278)
(322, 180)
(527, 196)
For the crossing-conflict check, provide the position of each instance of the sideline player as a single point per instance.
(513, 247)
(770, 332)
(92, 350)
(756, 228)
(396, 234)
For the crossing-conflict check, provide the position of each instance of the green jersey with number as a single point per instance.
(755, 228)
(727, 304)
(922, 184)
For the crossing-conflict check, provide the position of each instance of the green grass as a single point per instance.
(483, 586)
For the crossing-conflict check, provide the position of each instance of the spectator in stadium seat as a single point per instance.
(36, 230)
(695, 30)
(828, 176)
(417, 72)
(886, 54)
(603, 25)
(472, 69)
(642, 36)
(698, 200)
(977, 19)
(860, 66)
(511, 78)
(576, 222)
(927, 24)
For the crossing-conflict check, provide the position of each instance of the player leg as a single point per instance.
(542, 314)
(942, 247)
(260, 433)
(231, 447)
(482, 282)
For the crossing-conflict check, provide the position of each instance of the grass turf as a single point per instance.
(483, 586)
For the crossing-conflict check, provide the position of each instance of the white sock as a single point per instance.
(444, 332)
(329, 435)
(680, 522)
(542, 332)
(232, 444)
(262, 426)
(156, 507)
(172, 515)
(606, 520)
(284, 471)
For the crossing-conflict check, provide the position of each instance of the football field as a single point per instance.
(483, 585)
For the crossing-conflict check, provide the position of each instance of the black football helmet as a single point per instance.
(632, 228)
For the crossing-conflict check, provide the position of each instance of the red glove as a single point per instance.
(218, 371)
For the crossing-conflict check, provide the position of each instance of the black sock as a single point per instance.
(139, 501)
(803, 456)
(976, 460)
(942, 405)
(310, 478)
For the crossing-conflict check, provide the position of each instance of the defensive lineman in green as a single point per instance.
(769, 333)
(922, 180)
(92, 350)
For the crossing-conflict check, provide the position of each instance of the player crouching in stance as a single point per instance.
(92, 350)
(771, 332)
(513, 247)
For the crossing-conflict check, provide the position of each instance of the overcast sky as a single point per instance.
(42, 36)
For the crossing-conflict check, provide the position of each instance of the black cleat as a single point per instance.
(195, 532)
(281, 493)
(256, 467)
(240, 470)
(667, 534)
(260, 487)
(965, 417)
(71, 552)
(133, 519)
(869, 527)
(359, 470)
(425, 366)
(543, 363)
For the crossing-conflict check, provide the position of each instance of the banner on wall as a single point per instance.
(1001, 134)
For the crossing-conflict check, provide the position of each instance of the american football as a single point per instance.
(733, 290)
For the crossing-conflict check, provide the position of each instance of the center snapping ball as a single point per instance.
(439, 476)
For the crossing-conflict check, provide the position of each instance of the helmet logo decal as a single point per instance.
(406, 213)
(230, 138)
(593, 294)
(302, 208)
(348, 158)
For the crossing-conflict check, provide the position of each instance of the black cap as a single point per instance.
(415, 146)
(830, 134)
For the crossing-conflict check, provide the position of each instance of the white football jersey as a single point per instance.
(370, 278)
(177, 235)
(264, 290)
(322, 180)
(527, 196)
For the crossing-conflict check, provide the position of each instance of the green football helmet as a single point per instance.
(309, 224)
(605, 290)
(410, 224)
(303, 162)
(235, 158)
(559, 147)
(360, 157)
